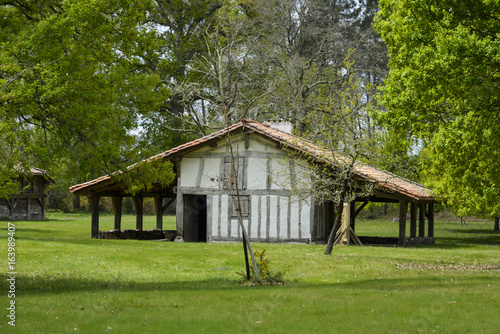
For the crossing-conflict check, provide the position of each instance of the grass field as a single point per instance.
(68, 282)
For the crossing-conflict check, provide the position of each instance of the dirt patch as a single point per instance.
(465, 267)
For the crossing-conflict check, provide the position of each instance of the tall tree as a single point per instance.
(170, 42)
(66, 86)
(443, 88)
(304, 47)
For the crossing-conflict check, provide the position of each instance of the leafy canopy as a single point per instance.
(443, 88)
(68, 94)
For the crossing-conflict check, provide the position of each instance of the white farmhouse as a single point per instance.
(265, 168)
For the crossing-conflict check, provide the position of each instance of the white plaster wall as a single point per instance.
(235, 228)
(283, 229)
(280, 174)
(189, 171)
(294, 219)
(256, 145)
(215, 216)
(305, 219)
(253, 232)
(263, 220)
(257, 173)
(211, 174)
(224, 216)
(273, 217)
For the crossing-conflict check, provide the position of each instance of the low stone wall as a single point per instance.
(378, 240)
(419, 241)
(395, 241)
(167, 235)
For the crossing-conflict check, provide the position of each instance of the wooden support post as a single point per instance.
(117, 209)
(413, 220)
(430, 219)
(353, 216)
(159, 212)
(421, 220)
(402, 222)
(94, 205)
(41, 202)
(44, 208)
(497, 227)
(29, 209)
(138, 204)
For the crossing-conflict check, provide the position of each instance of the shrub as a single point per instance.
(266, 275)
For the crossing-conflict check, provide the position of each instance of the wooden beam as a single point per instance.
(117, 209)
(413, 220)
(167, 205)
(94, 205)
(421, 220)
(159, 212)
(352, 214)
(138, 204)
(361, 207)
(402, 222)
(376, 200)
(430, 222)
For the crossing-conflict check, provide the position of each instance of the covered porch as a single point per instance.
(110, 187)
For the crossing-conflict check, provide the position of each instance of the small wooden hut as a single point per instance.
(29, 203)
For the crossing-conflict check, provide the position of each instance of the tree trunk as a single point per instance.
(336, 225)
(497, 227)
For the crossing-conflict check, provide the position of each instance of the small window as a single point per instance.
(244, 204)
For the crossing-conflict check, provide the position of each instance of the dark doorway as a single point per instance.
(195, 218)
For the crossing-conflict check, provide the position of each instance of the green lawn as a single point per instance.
(68, 282)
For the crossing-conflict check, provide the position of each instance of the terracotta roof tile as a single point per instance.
(388, 181)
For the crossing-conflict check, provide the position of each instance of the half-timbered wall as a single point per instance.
(270, 211)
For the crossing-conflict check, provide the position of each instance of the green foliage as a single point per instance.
(66, 86)
(266, 275)
(145, 175)
(443, 89)
(462, 165)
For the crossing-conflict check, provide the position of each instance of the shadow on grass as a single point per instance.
(476, 231)
(61, 285)
(464, 238)
(29, 230)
